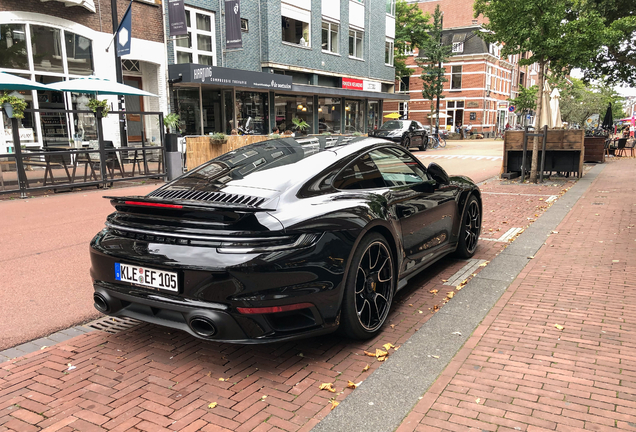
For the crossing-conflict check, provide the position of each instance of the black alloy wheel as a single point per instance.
(406, 143)
(470, 229)
(369, 289)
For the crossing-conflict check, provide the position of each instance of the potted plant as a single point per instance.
(300, 124)
(100, 107)
(13, 106)
(218, 138)
(171, 122)
(306, 37)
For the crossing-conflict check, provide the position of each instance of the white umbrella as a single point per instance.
(98, 86)
(555, 107)
(13, 82)
(546, 114)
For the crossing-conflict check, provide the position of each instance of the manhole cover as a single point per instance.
(113, 324)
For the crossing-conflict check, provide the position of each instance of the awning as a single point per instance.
(86, 4)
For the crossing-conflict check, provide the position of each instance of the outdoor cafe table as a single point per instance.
(51, 161)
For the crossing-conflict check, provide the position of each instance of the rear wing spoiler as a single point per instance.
(159, 203)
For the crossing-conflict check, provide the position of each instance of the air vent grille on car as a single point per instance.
(188, 194)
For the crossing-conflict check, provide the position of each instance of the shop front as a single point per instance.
(212, 99)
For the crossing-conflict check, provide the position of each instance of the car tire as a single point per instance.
(424, 144)
(470, 229)
(369, 288)
(406, 143)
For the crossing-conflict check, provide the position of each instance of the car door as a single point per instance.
(416, 138)
(421, 205)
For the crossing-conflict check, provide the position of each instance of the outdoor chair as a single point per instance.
(620, 147)
(630, 146)
(606, 148)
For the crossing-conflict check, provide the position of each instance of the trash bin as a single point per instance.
(174, 163)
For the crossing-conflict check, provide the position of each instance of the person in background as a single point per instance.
(275, 131)
(233, 132)
(469, 129)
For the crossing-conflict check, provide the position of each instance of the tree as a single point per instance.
(559, 33)
(615, 60)
(525, 101)
(432, 55)
(411, 26)
(579, 102)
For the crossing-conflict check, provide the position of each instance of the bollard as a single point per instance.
(174, 163)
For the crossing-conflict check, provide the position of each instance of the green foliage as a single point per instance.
(526, 100)
(411, 27)
(218, 136)
(94, 104)
(615, 60)
(579, 101)
(18, 104)
(300, 124)
(432, 54)
(171, 121)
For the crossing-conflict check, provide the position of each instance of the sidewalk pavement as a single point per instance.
(150, 378)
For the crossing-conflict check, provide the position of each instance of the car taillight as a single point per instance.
(151, 204)
(274, 309)
(272, 244)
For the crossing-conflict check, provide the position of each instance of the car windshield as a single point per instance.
(262, 156)
(393, 125)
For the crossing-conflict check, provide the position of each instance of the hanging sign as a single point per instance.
(233, 37)
(177, 18)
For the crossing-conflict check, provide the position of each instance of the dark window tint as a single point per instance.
(361, 174)
(13, 50)
(397, 168)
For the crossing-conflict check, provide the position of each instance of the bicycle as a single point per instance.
(433, 143)
(499, 134)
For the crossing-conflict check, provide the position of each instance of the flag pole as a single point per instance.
(121, 104)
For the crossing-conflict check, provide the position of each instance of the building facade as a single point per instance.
(480, 80)
(326, 64)
(54, 41)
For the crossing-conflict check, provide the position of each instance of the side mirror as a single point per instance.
(438, 174)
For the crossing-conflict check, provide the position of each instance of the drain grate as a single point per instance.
(113, 324)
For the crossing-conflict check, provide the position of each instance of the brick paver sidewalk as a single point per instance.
(558, 351)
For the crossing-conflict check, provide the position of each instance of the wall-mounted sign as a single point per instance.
(202, 74)
(372, 86)
(361, 84)
(473, 116)
(472, 104)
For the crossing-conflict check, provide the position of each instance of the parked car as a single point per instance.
(408, 133)
(282, 239)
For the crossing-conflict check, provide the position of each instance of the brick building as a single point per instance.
(327, 62)
(480, 81)
(51, 41)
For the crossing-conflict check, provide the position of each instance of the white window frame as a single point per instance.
(458, 47)
(390, 45)
(329, 29)
(390, 6)
(296, 13)
(461, 70)
(355, 37)
(193, 31)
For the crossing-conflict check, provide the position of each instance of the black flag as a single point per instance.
(177, 18)
(233, 24)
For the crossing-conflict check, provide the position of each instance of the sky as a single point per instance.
(623, 91)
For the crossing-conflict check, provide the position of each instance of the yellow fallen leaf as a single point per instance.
(351, 385)
(212, 405)
(478, 400)
(558, 327)
(434, 291)
(369, 354)
(221, 379)
(435, 356)
(380, 353)
(540, 199)
(435, 308)
(263, 397)
(392, 325)
(410, 304)
(387, 346)
(484, 264)
(615, 261)
(334, 404)
(209, 374)
(459, 287)
(420, 311)
(450, 295)
(328, 387)
(366, 368)
(381, 359)
(396, 348)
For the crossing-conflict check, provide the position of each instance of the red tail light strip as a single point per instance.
(150, 204)
(274, 309)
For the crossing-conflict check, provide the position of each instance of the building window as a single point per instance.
(46, 44)
(290, 109)
(79, 54)
(130, 65)
(244, 25)
(329, 115)
(330, 37)
(354, 121)
(355, 43)
(456, 77)
(388, 52)
(13, 49)
(390, 7)
(296, 31)
(458, 47)
(403, 86)
(199, 44)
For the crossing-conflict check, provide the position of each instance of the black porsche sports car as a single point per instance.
(282, 239)
(408, 133)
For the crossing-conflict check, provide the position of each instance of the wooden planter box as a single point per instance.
(595, 149)
(565, 151)
(200, 149)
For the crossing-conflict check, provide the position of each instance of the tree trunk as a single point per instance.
(535, 141)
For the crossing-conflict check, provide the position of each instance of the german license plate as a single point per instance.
(146, 277)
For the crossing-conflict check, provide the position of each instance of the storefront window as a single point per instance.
(46, 43)
(374, 116)
(252, 112)
(28, 131)
(292, 111)
(85, 126)
(353, 117)
(329, 115)
(79, 54)
(187, 102)
(229, 112)
(212, 112)
(13, 50)
(54, 124)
